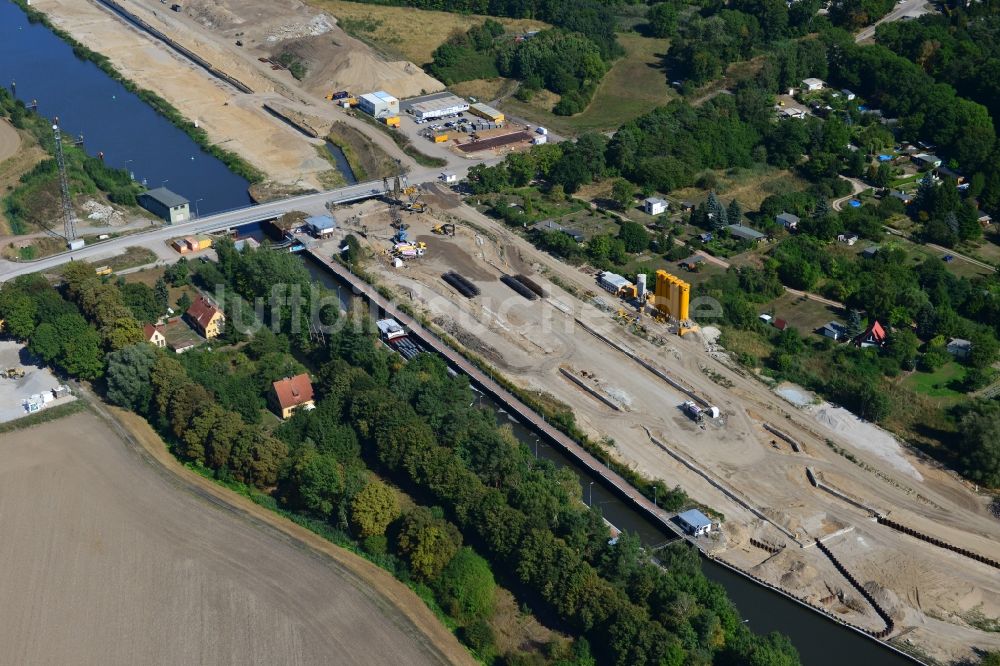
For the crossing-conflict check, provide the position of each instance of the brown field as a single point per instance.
(18, 153)
(111, 557)
(749, 186)
(406, 32)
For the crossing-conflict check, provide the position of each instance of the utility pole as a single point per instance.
(69, 222)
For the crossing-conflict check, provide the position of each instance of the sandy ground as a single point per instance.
(109, 558)
(929, 589)
(18, 154)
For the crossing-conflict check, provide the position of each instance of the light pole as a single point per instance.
(126, 168)
(591, 500)
(163, 183)
(196, 213)
(654, 495)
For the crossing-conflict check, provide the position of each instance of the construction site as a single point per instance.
(810, 500)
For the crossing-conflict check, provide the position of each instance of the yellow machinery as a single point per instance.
(13, 373)
(392, 121)
(103, 270)
(447, 229)
(440, 138)
(672, 296)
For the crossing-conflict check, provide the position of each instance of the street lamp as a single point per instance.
(590, 502)
(196, 213)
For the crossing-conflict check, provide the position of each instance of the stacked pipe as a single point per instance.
(461, 285)
(531, 284)
(517, 286)
(890, 624)
(882, 520)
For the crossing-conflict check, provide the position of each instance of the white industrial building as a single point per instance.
(379, 104)
(442, 106)
(694, 522)
(813, 84)
(614, 283)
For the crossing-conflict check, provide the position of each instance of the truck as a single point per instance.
(340, 94)
(539, 140)
(692, 410)
(409, 250)
(542, 131)
(392, 121)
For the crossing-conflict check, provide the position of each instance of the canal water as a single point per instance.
(343, 166)
(820, 641)
(112, 120)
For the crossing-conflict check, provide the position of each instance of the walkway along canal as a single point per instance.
(40, 66)
(820, 641)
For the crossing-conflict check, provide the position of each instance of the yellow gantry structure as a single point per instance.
(672, 296)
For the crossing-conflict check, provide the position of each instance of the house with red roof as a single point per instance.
(874, 336)
(154, 335)
(206, 317)
(293, 393)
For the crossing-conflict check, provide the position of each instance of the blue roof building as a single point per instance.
(321, 226)
(695, 522)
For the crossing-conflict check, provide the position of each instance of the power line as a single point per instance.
(69, 222)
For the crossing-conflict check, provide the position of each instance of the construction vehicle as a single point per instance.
(409, 250)
(13, 373)
(392, 121)
(447, 229)
(102, 270)
(440, 138)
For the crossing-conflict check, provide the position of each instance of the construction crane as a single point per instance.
(69, 223)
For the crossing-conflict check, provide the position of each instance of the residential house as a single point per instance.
(743, 233)
(792, 112)
(154, 335)
(812, 84)
(848, 239)
(873, 336)
(788, 221)
(848, 95)
(291, 394)
(206, 317)
(959, 348)
(693, 262)
(869, 252)
(694, 522)
(927, 160)
(766, 318)
(834, 330)
(985, 219)
(947, 172)
(905, 197)
(687, 206)
(780, 324)
(655, 206)
(552, 225)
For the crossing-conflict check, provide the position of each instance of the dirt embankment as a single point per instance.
(141, 561)
(366, 159)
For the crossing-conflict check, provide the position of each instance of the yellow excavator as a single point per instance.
(13, 373)
(446, 229)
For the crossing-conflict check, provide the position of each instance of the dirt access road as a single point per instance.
(113, 556)
(10, 140)
(928, 591)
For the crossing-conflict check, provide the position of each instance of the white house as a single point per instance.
(959, 348)
(694, 522)
(788, 221)
(654, 206)
(812, 84)
(848, 95)
(449, 177)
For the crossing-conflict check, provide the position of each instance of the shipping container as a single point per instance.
(76, 244)
(440, 138)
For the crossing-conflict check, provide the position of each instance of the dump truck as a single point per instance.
(409, 250)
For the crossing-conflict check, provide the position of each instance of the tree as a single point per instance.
(623, 193)
(178, 274)
(161, 295)
(984, 349)
(853, 323)
(373, 509)
(427, 542)
(467, 583)
(184, 302)
(317, 482)
(17, 310)
(979, 445)
(716, 212)
(634, 236)
(734, 213)
(128, 376)
(903, 346)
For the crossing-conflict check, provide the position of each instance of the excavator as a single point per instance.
(446, 229)
(13, 373)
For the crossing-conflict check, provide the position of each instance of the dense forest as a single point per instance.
(485, 510)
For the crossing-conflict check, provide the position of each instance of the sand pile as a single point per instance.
(865, 436)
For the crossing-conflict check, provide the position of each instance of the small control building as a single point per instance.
(321, 226)
(694, 522)
(170, 206)
(447, 105)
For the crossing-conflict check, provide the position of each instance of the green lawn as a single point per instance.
(936, 384)
(636, 84)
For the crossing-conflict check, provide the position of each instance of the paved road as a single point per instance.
(857, 187)
(911, 8)
(10, 270)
